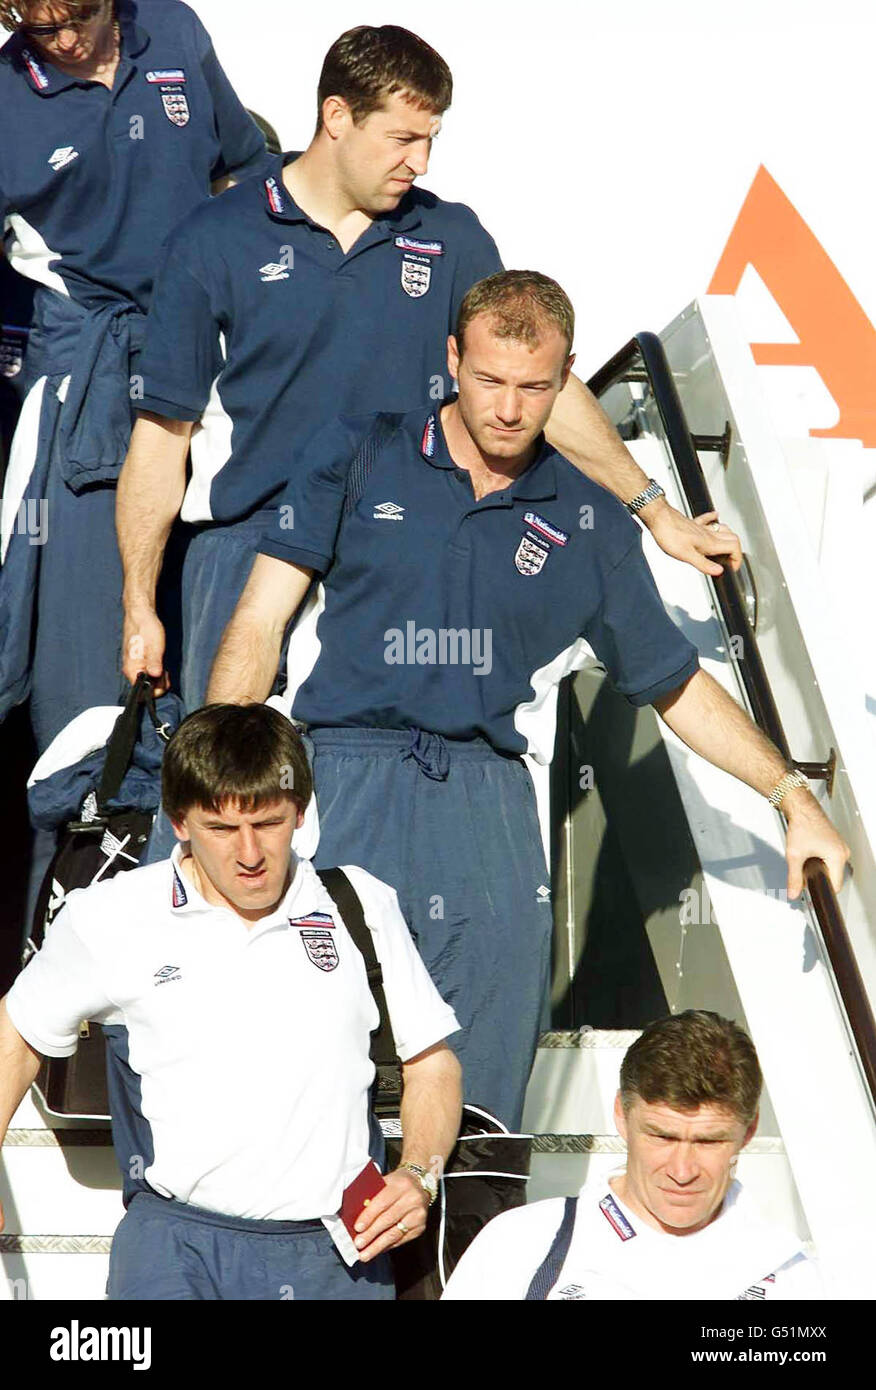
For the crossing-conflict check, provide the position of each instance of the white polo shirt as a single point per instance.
(616, 1255)
(251, 1041)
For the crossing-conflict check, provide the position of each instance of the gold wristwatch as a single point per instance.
(427, 1180)
(789, 782)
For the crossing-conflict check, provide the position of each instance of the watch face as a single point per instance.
(430, 1183)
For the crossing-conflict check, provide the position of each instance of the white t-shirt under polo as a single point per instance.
(616, 1255)
(251, 1041)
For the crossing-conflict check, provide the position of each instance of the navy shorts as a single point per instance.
(165, 1249)
(452, 826)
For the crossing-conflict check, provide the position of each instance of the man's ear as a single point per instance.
(750, 1132)
(180, 830)
(453, 357)
(620, 1118)
(570, 362)
(336, 117)
(300, 818)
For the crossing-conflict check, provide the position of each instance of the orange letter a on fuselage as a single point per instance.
(835, 335)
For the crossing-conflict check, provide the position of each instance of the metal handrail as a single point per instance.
(825, 906)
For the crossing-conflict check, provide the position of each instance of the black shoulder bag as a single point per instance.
(487, 1170)
(99, 845)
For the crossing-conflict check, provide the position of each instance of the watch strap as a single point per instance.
(648, 494)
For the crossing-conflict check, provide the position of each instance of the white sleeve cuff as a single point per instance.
(434, 1032)
(48, 1046)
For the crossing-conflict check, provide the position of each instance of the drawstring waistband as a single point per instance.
(430, 753)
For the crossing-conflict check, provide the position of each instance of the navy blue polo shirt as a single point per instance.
(92, 180)
(459, 616)
(262, 325)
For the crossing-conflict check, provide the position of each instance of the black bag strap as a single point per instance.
(388, 1088)
(123, 738)
(548, 1271)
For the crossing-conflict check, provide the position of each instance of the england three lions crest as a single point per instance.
(176, 106)
(321, 949)
(530, 556)
(416, 275)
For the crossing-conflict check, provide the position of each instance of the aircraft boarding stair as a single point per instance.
(668, 875)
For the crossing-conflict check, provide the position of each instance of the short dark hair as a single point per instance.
(249, 754)
(369, 63)
(691, 1059)
(520, 303)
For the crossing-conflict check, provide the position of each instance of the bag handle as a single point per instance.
(120, 747)
(387, 1098)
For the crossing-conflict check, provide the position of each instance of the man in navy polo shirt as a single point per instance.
(329, 287)
(469, 567)
(119, 118)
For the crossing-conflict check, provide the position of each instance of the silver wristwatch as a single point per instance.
(427, 1180)
(649, 494)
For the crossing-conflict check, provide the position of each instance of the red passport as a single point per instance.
(361, 1190)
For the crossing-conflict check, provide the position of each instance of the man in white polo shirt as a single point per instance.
(674, 1224)
(246, 1012)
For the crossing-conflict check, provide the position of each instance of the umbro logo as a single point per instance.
(272, 271)
(543, 893)
(389, 511)
(167, 973)
(65, 155)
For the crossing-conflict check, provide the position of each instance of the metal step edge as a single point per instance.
(55, 1245)
(541, 1143)
(57, 1138)
(589, 1037)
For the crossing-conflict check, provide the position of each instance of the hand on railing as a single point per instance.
(701, 541)
(811, 836)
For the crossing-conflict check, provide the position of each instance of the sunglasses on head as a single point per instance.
(76, 22)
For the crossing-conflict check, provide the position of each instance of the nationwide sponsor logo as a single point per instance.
(389, 511)
(313, 919)
(546, 528)
(167, 973)
(276, 201)
(531, 555)
(176, 106)
(416, 276)
(166, 75)
(272, 272)
(757, 1292)
(180, 897)
(65, 154)
(38, 77)
(321, 949)
(423, 248)
(427, 443)
(615, 1217)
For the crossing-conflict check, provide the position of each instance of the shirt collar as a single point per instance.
(538, 483)
(134, 38)
(282, 206)
(303, 896)
(184, 896)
